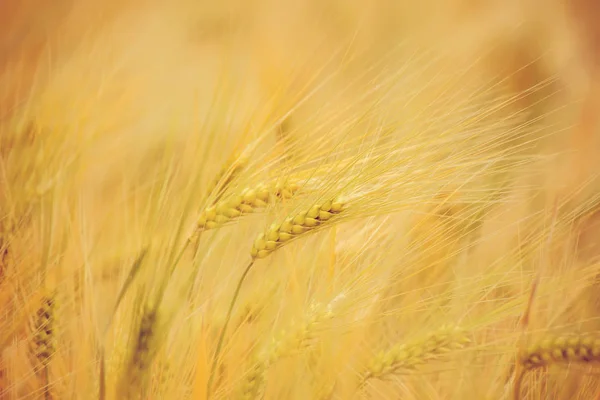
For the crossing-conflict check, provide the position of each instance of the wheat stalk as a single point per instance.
(407, 356)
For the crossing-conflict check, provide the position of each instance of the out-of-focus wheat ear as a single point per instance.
(583, 348)
(252, 385)
(43, 345)
(142, 353)
(248, 201)
(294, 227)
(554, 349)
(407, 356)
(297, 336)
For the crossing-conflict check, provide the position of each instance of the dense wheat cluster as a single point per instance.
(314, 199)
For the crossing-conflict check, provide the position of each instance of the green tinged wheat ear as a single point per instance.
(584, 348)
(292, 227)
(407, 356)
(249, 201)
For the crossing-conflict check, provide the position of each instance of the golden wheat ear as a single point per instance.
(584, 348)
(565, 349)
(249, 201)
(317, 216)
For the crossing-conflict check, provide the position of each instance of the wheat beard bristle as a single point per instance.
(227, 174)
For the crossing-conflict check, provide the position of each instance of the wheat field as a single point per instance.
(312, 199)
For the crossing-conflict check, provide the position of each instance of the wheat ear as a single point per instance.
(297, 336)
(44, 338)
(249, 201)
(292, 227)
(565, 349)
(407, 356)
(584, 348)
(142, 355)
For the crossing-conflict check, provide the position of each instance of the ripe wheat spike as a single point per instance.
(293, 227)
(247, 202)
(566, 349)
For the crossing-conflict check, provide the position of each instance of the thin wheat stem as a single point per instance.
(224, 329)
(102, 388)
(178, 258)
(517, 384)
(47, 395)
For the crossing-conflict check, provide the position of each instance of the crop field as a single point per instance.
(299, 199)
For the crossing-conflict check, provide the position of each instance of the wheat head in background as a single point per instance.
(299, 199)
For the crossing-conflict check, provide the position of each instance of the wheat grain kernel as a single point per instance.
(249, 196)
(211, 225)
(286, 226)
(299, 219)
(232, 213)
(263, 253)
(221, 219)
(211, 213)
(324, 215)
(260, 242)
(284, 236)
(298, 229)
(311, 222)
(272, 234)
(246, 209)
(235, 201)
(313, 212)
